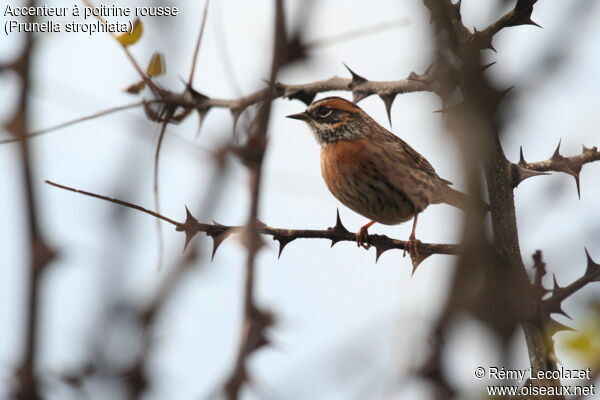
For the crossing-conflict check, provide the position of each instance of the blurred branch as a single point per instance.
(39, 253)
(256, 321)
(357, 33)
(198, 42)
(505, 298)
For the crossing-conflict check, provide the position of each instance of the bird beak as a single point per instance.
(301, 116)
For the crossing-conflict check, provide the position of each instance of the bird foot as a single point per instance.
(362, 238)
(411, 247)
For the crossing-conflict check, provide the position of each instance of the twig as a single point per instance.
(155, 89)
(81, 119)
(553, 304)
(155, 190)
(117, 201)
(357, 33)
(198, 42)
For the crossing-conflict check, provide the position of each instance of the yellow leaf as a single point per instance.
(129, 38)
(157, 65)
(136, 88)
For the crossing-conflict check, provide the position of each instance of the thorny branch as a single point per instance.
(553, 304)
(477, 114)
(218, 232)
(569, 165)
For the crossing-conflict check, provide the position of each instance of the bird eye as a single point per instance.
(323, 112)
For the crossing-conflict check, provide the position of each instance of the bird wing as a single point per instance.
(408, 156)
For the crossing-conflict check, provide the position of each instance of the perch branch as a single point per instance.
(219, 232)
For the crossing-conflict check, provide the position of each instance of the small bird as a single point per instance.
(372, 171)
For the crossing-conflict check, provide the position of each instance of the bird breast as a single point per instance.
(350, 170)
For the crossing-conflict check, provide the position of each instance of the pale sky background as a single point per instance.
(347, 328)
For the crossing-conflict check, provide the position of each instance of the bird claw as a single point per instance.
(362, 238)
(412, 247)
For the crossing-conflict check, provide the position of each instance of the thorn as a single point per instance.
(339, 228)
(388, 100)
(217, 240)
(562, 312)
(521, 158)
(588, 149)
(592, 268)
(413, 76)
(189, 227)
(235, 113)
(506, 91)
(556, 286)
(379, 250)
(556, 155)
(576, 176)
(519, 174)
(486, 66)
(531, 22)
(421, 256)
(198, 98)
(283, 241)
(302, 95)
(356, 79)
(451, 108)
(358, 96)
(201, 117)
(554, 327)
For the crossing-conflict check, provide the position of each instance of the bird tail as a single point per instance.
(461, 200)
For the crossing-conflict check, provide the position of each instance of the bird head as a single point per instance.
(332, 119)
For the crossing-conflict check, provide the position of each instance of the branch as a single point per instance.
(558, 163)
(359, 86)
(198, 42)
(519, 15)
(559, 294)
(39, 253)
(77, 120)
(219, 232)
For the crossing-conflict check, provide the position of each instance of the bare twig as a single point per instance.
(155, 188)
(358, 33)
(198, 42)
(155, 89)
(78, 120)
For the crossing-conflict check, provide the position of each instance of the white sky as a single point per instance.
(345, 325)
